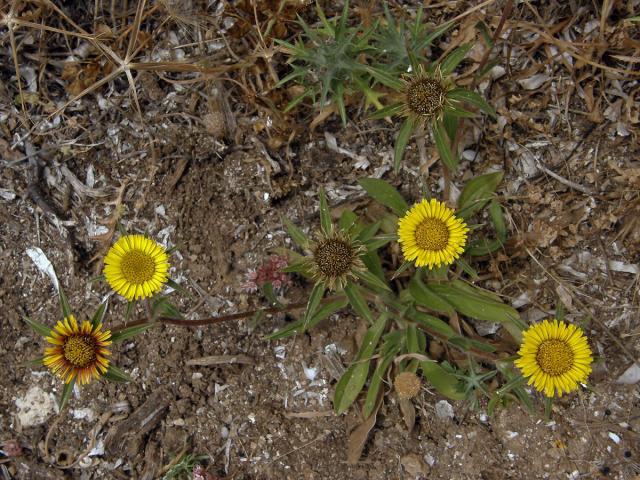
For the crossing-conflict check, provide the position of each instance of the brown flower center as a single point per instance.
(137, 267)
(554, 357)
(80, 350)
(407, 385)
(425, 96)
(333, 257)
(432, 234)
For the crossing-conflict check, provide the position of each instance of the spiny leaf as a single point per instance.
(129, 332)
(38, 327)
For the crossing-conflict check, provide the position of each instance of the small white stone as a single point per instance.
(444, 409)
(614, 437)
(35, 407)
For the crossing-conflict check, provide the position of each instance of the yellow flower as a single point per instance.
(136, 267)
(335, 258)
(431, 235)
(555, 357)
(79, 352)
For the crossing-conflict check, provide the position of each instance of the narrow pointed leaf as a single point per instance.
(296, 234)
(401, 143)
(431, 323)
(372, 280)
(129, 332)
(66, 393)
(472, 98)
(477, 193)
(443, 146)
(38, 327)
(351, 383)
(424, 295)
(497, 218)
(358, 303)
(388, 111)
(449, 64)
(385, 194)
(442, 381)
(98, 316)
(325, 215)
(64, 303)
(314, 300)
(114, 374)
(376, 380)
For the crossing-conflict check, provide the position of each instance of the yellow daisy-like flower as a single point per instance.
(78, 352)
(555, 356)
(136, 267)
(431, 235)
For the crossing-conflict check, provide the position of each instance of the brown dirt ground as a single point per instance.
(219, 197)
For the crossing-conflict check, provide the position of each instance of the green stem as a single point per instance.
(548, 403)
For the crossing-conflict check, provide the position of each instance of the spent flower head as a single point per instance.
(335, 257)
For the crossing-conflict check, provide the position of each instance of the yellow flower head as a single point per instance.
(431, 235)
(555, 357)
(335, 258)
(78, 352)
(136, 267)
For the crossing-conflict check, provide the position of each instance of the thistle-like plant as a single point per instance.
(327, 61)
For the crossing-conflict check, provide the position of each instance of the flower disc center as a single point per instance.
(554, 357)
(80, 350)
(432, 234)
(137, 267)
(425, 96)
(333, 257)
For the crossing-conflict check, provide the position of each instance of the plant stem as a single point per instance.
(224, 318)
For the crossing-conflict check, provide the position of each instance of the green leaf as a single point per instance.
(130, 308)
(38, 327)
(66, 393)
(314, 300)
(401, 142)
(377, 378)
(114, 374)
(372, 261)
(176, 286)
(372, 279)
(450, 124)
(449, 64)
(443, 146)
(339, 100)
(473, 98)
(129, 332)
(161, 307)
(388, 111)
(369, 231)
(483, 247)
(475, 304)
(477, 193)
(431, 323)
(64, 303)
(433, 35)
(325, 311)
(347, 220)
(497, 218)
(296, 234)
(385, 194)
(351, 383)
(467, 344)
(425, 295)
(325, 215)
(98, 316)
(443, 381)
(385, 78)
(287, 331)
(358, 303)
(402, 268)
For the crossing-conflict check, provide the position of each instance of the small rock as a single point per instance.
(35, 407)
(630, 376)
(444, 410)
(414, 466)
